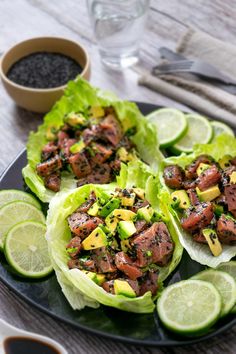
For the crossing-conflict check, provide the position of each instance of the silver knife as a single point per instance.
(172, 56)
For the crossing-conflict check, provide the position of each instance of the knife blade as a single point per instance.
(171, 55)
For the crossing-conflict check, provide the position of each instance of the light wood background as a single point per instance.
(168, 20)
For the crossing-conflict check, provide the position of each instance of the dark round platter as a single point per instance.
(131, 328)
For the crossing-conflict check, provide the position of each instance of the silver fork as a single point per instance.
(195, 67)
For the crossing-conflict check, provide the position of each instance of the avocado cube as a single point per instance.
(233, 177)
(100, 279)
(128, 199)
(111, 222)
(91, 275)
(96, 239)
(125, 245)
(225, 161)
(111, 205)
(209, 194)
(213, 241)
(51, 133)
(139, 192)
(126, 229)
(124, 214)
(96, 112)
(145, 213)
(93, 211)
(75, 119)
(77, 147)
(181, 197)
(202, 167)
(122, 287)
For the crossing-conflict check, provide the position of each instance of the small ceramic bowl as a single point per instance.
(41, 100)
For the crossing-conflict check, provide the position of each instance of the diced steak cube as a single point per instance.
(101, 175)
(111, 129)
(149, 283)
(138, 205)
(199, 237)
(230, 196)
(191, 170)
(209, 178)
(74, 244)
(140, 225)
(101, 153)
(92, 134)
(50, 166)
(226, 230)
(49, 150)
(62, 136)
(125, 264)
(134, 285)
(82, 224)
(190, 184)
(193, 196)
(104, 260)
(80, 164)
(115, 166)
(88, 264)
(88, 203)
(153, 245)
(65, 149)
(108, 286)
(173, 176)
(198, 217)
(53, 181)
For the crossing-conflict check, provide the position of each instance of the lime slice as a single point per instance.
(14, 212)
(230, 268)
(171, 125)
(26, 249)
(190, 306)
(9, 195)
(199, 132)
(224, 283)
(220, 128)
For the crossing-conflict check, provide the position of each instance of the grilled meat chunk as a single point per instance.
(191, 170)
(209, 178)
(104, 260)
(74, 244)
(111, 129)
(49, 151)
(88, 264)
(173, 176)
(125, 264)
(154, 245)
(53, 181)
(193, 196)
(88, 203)
(199, 237)
(230, 196)
(101, 175)
(198, 217)
(50, 166)
(226, 230)
(82, 224)
(108, 286)
(101, 153)
(149, 283)
(80, 164)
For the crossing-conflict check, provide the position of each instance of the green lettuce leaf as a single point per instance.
(223, 145)
(58, 236)
(79, 95)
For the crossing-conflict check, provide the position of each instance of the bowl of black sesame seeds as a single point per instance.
(35, 72)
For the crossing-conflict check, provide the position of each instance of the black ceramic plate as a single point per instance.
(138, 329)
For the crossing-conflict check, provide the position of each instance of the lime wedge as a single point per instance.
(14, 212)
(189, 307)
(9, 195)
(230, 268)
(224, 283)
(220, 128)
(26, 249)
(171, 125)
(199, 132)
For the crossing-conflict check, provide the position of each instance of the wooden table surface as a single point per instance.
(168, 20)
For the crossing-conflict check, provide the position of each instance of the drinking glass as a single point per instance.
(118, 27)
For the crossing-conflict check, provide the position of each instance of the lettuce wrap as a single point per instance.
(223, 145)
(78, 288)
(78, 96)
